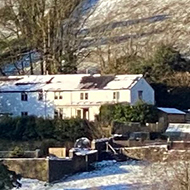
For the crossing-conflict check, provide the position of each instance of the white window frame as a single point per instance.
(84, 96)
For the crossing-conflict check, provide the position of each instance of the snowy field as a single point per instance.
(108, 175)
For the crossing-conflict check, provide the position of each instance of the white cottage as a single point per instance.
(66, 96)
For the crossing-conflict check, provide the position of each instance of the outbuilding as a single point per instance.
(171, 115)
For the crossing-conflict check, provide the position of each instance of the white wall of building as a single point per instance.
(71, 111)
(12, 103)
(101, 96)
(147, 92)
(71, 101)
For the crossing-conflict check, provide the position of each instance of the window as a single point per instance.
(115, 95)
(81, 96)
(55, 114)
(58, 113)
(58, 95)
(24, 113)
(24, 96)
(79, 113)
(84, 96)
(40, 96)
(55, 95)
(140, 94)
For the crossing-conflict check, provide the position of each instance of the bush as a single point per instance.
(44, 128)
(17, 152)
(140, 112)
(5, 180)
(144, 113)
(72, 129)
(33, 128)
(7, 126)
(46, 144)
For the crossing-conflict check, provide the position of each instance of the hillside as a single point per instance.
(120, 27)
(139, 25)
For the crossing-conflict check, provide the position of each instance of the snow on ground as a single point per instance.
(108, 175)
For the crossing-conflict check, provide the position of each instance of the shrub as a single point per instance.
(33, 128)
(140, 112)
(17, 152)
(46, 144)
(5, 180)
(72, 129)
(144, 113)
(44, 128)
(7, 126)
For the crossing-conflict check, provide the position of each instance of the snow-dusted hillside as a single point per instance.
(136, 25)
(139, 25)
(165, 18)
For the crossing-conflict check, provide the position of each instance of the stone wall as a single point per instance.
(26, 154)
(148, 153)
(50, 169)
(59, 168)
(159, 127)
(130, 127)
(180, 145)
(35, 168)
(124, 128)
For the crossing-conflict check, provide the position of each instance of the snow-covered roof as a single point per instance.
(123, 81)
(171, 110)
(178, 127)
(69, 82)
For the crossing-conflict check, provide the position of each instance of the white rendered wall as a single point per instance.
(148, 92)
(71, 101)
(12, 103)
(71, 111)
(101, 96)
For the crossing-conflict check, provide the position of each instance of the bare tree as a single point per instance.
(172, 173)
(52, 28)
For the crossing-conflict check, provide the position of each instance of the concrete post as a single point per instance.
(37, 153)
(86, 160)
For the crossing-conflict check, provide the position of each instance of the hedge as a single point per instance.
(33, 128)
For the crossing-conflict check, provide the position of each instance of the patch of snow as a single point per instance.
(108, 175)
(83, 152)
(102, 140)
(178, 127)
